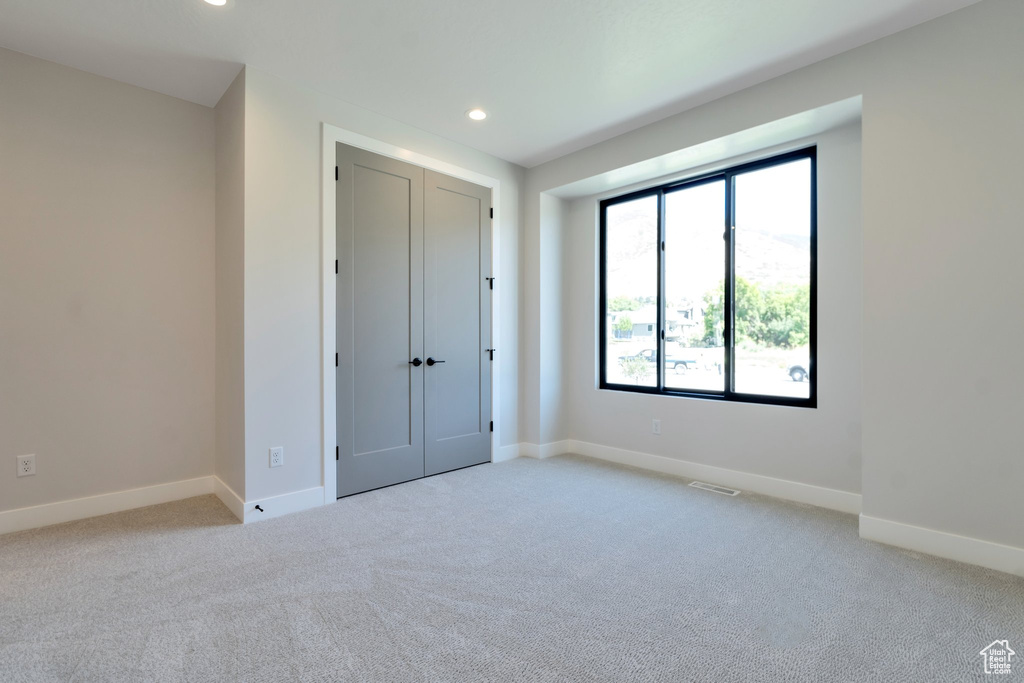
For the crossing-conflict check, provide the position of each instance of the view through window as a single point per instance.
(680, 260)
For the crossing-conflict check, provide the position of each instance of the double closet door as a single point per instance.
(414, 320)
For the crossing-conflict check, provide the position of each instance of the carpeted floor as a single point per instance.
(559, 570)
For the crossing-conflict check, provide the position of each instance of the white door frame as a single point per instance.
(330, 136)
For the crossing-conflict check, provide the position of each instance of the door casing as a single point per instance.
(500, 232)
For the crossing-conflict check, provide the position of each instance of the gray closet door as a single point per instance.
(457, 323)
(380, 321)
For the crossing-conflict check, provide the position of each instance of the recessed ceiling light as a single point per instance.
(218, 3)
(477, 114)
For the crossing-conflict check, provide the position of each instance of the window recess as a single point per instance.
(708, 285)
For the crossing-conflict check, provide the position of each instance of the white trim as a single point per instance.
(819, 496)
(103, 504)
(505, 453)
(544, 450)
(232, 501)
(529, 450)
(330, 135)
(285, 504)
(547, 450)
(1003, 558)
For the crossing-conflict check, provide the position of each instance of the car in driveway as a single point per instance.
(798, 373)
(651, 356)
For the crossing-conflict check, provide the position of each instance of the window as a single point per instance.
(680, 261)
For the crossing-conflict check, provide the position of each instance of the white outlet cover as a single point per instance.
(277, 456)
(26, 465)
(656, 426)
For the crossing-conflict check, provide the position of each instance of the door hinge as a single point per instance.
(335, 266)
(335, 172)
(492, 212)
(337, 451)
(490, 351)
(335, 359)
(490, 282)
(492, 425)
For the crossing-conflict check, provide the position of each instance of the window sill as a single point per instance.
(730, 397)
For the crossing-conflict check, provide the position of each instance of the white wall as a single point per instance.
(106, 284)
(229, 462)
(528, 379)
(541, 397)
(941, 205)
(943, 219)
(282, 271)
(555, 342)
(820, 447)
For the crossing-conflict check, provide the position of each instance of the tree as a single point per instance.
(777, 317)
(749, 311)
(636, 368)
(714, 314)
(624, 326)
(623, 303)
(786, 316)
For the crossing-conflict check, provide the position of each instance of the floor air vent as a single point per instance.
(711, 487)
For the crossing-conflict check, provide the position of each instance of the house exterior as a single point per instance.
(681, 323)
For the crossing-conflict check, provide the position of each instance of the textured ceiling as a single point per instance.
(555, 75)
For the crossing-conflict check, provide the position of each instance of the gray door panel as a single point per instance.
(380, 320)
(457, 323)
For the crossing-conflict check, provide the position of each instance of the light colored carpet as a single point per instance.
(559, 570)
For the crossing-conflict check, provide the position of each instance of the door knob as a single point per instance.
(415, 362)
(431, 361)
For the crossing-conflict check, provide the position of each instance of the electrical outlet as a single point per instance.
(277, 456)
(26, 465)
(656, 427)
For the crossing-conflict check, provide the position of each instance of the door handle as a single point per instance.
(431, 361)
(415, 362)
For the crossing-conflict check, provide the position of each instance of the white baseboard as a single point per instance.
(544, 450)
(505, 453)
(285, 504)
(819, 496)
(103, 504)
(232, 501)
(547, 450)
(996, 556)
(1003, 558)
(528, 450)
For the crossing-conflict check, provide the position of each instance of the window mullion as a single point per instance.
(729, 288)
(661, 292)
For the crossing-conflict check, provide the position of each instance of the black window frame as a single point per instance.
(728, 175)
